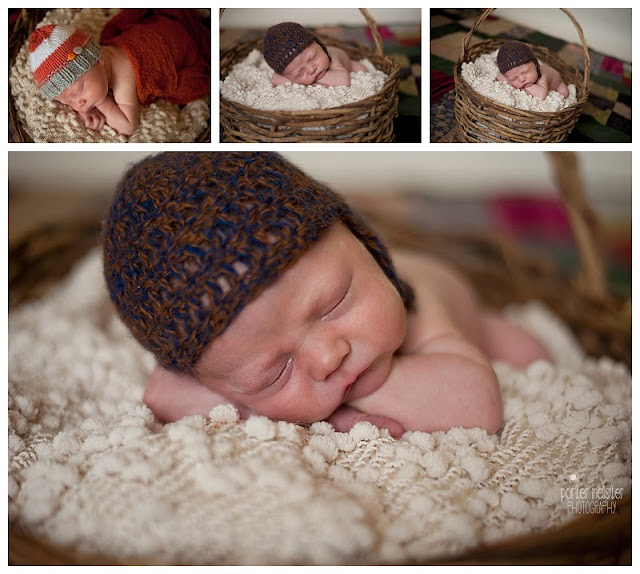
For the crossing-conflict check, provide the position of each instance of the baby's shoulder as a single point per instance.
(338, 57)
(549, 71)
(335, 51)
(122, 71)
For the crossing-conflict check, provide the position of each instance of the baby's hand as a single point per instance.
(93, 119)
(346, 417)
(537, 91)
(278, 80)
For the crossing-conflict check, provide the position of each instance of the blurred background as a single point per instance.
(512, 193)
(608, 30)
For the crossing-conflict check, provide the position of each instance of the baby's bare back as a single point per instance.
(340, 60)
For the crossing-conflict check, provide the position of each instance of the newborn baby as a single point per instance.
(254, 284)
(297, 55)
(144, 54)
(521, 69)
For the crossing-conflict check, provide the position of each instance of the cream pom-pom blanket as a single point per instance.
(52, 122)
(91, 470)
(249, 83)
(481, 76)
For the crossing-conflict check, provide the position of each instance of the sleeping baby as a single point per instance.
(254, 284)
(520, 68)
(297, 55)
(144, 54)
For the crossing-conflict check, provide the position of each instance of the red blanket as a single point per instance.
(169, 49)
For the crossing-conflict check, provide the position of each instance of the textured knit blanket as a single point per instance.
(249, 83)
(481, 75)
(52, 122)
(91, 470)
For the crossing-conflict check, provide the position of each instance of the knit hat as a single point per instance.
(192, 237)
(513, 54)
(284, 41)
(59, 55)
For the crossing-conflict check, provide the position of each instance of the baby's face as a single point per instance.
(323, 334)
(522, 76)
(88, 91)
(309, 66)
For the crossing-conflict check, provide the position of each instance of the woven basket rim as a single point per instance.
(543, 547)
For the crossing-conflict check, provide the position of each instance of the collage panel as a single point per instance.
(530, 75)
(110, 75)
(306, 75)
(318, 357)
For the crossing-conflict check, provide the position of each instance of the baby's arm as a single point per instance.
(540, 89)
(278, 79)
(449, 385)
(338, 72)
(121, 112)
(171, 396)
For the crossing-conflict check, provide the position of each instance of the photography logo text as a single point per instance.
(590, 499)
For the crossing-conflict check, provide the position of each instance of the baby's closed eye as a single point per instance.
(283, 374)
(337, 304)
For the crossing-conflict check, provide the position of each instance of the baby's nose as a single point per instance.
(327, 356)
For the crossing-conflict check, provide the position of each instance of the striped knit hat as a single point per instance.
(59, 55)
(192, 237)
(284, 41)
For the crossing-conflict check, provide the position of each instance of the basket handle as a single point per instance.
(466, 42)
(371, 23)
(584, 223)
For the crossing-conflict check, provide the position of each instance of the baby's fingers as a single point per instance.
(345, 417)
(396, 430)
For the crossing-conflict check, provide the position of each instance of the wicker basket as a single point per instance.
(368, 120)
(26, 22)
(481, 119)
(502, 274)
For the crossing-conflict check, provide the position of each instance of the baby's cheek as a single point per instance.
(389, 317)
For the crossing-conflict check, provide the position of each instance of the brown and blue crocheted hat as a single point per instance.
(192, 237)
(513, 54)
(284, 41)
